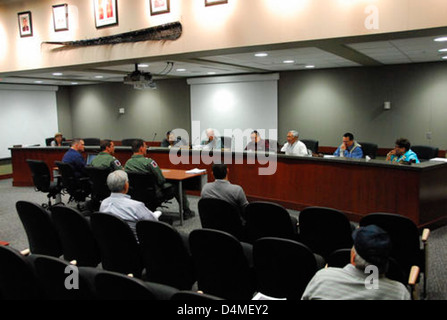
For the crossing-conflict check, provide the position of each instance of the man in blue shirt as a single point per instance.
(349, 148)
(73, 156)
(402, 153)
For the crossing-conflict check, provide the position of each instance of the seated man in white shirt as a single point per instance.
(121, 205)
(293, 146)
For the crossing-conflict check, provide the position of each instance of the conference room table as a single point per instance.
(355, 187)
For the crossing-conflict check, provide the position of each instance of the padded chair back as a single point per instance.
(40, 174)
(143, 187)
(324, 230)
(339, 258)
(268, 219)
(78, 242)
(283, 267)
(226, 142)
(369, 149)
(119, 249)
(220, 215)
(274, 145)
(165, 255)
(425, 153)
(221, 266)
(48, 141)
(40, 231)
(18, 280)
(92, 141)
(405, 238)
(127, 142)
(53, 274)
(70, 183)
(311, 144)
(98, 177)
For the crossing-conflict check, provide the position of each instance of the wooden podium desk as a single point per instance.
(356, 187)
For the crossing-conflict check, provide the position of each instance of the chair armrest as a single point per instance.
(425, 235)
(414, 274)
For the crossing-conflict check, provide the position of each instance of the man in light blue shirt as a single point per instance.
(349, 148)
(121, 205)
(402, 153)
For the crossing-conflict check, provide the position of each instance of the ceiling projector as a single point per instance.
(140, 80)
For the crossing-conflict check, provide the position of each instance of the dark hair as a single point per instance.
(137, 144)
(349, 135)
(75, 141)
(403, 143)
(105, 144)
(255, 132)
(220, 171)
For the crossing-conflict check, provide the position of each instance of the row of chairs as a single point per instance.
(39, 277)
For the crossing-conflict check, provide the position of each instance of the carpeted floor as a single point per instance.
(12, 231)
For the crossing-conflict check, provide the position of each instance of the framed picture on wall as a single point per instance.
(25, 24)
(214, 2)
(106, 13)
(60, 17)
(159, 6)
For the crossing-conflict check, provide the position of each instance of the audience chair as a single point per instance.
(283, 267)
(77, 188)
(221, 266)
(165, 255)
(268, 219)
(128, 142)
(18, 279)
(108, 285)
(220, 215)
(100, 190)
(425, 153)
(78, 242)
(143, 187)
(311, 144)
(369, 149)
(324, 230)
(339, 258)
(42, 180)
(40, 231)
(92, 141)
(409, 246)
(49, 140)
(118, 247)
(226, 142)
(56, 274)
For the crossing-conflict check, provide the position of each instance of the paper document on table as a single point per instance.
(157, 214)
(261, 296)
(439, 159)
(195, 171)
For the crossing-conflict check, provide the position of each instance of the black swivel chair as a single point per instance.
(120, 251)
(49, 140)
(324, 230)
(165, 255)
(221, 265)
(18, 279)
(127, 142)
(283, 267)
(369, 149)
(220, 215)
(78, 242)
(311, 144)
(143, 187)
(40, 230)
(425, 153)
(274, 145)
(267, 219)
(98, 179)
(42, 180)
(226, 142)
(78, 188)
(92, 141)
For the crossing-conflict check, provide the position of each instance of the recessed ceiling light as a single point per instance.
(441, 39)
(212, 72)
(181, 70)
(442, 50)
(143, 65)
(261, 54)
(57, 74)
(288, 61)
(38, 81)
(445, 57)
(74, 83)
(99, 77)
(310, 66)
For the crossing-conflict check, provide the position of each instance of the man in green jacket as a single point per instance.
(105, 158)
(139, 163)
